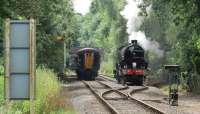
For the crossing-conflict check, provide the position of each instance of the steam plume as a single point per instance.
(130, 13)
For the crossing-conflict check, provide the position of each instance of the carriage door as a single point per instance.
(89, 56)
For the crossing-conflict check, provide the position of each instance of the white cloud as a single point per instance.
(82, 6)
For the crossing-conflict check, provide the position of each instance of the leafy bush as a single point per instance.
(48, 97)
(107, 68)
(193, 83)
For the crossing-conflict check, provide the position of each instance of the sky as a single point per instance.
(81, 6)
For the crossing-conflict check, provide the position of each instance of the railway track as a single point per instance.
(119, 102)
(106, 78)
(133, 91)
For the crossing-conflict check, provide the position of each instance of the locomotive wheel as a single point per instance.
(119, 80)
(117, 77)
(140, 81)
(123, 81)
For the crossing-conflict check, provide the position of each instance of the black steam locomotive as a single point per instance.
(86, 63)
(130, 64)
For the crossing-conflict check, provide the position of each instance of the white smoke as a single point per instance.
(81, 6)
(130, 13)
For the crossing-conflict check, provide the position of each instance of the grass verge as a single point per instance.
(49, 98)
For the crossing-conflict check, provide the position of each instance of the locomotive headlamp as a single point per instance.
(173, 74)
(134, 64)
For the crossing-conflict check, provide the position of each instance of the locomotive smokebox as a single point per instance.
(134, 41)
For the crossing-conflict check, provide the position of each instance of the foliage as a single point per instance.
(198, 44)
(175, 25)
(48, 96)
(54, 19)
(103, 27)
(107, 68)
(1, 70)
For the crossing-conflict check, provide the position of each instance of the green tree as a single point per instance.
(175, 25)
(103, 27)
(55, 18)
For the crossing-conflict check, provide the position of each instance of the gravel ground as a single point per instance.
(83, 100)
(86, 103)
(188, 104)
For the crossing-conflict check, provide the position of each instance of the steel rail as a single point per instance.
(107, 78)
(126, 86)
(128, 96)
(138, 90)
(103, 98)
(142, 89)
(99, 97)
(148, 106)
(122, 88)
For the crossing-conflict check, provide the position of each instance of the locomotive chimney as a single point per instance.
(134, 41)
